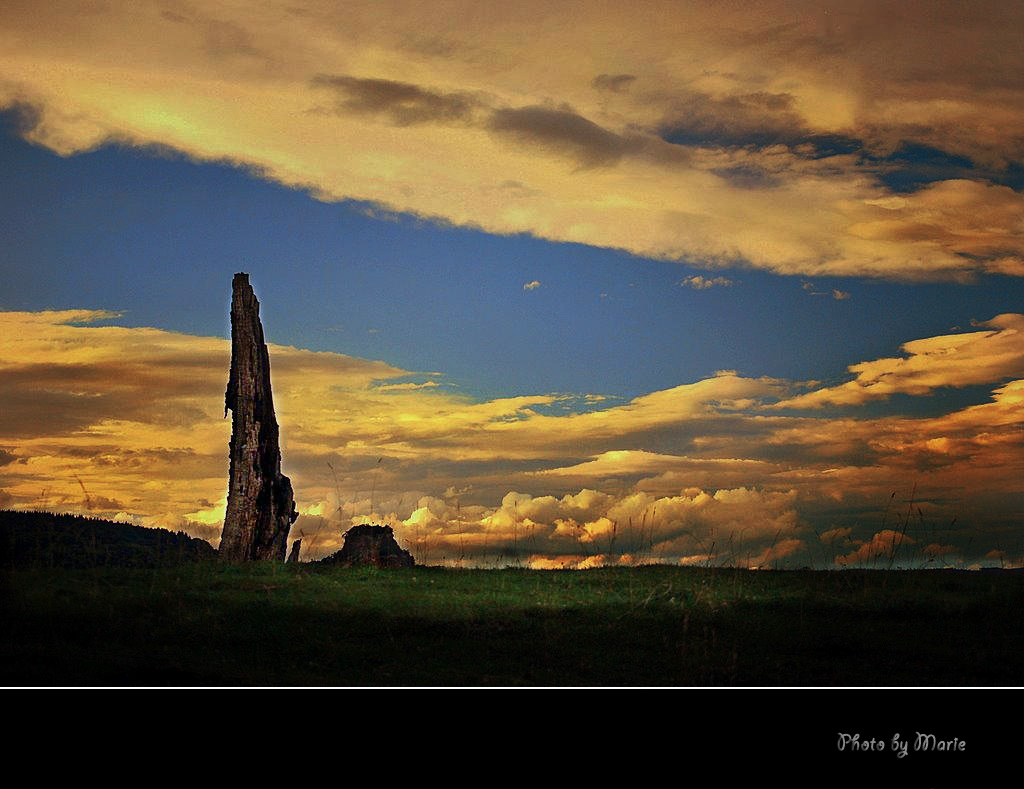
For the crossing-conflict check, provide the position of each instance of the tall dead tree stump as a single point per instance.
(261, 506)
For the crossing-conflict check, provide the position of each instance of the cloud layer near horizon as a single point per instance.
(128, 422)
(714, 134)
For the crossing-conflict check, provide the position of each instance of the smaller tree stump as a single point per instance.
(370, 545)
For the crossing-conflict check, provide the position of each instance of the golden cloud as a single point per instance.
(611, 136)
(131, 419)
(129, 422)
(951, 360)
(882, 547)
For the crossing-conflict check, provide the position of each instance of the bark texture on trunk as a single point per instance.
(261, 506)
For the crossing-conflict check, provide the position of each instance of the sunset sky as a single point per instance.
(557, 284)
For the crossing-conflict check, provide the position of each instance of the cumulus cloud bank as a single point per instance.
(128, 423)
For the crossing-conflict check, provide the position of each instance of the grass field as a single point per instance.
(267, 624)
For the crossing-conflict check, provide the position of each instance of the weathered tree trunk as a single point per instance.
(261, 507)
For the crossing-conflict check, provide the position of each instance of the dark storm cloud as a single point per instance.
(178, 464)
(562, 131)
(30, 412)
(914, 165)
(104, 504)
(944, 74)
(176, 375)
(23, 117)
(51, 399)
(172, 16)
(750, 119)
(759, 120)
(224, 39)
(617, 83)
(220, 38)
(403, 103)
(432, 46)
(747, 177)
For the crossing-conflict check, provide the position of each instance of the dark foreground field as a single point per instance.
(202, 623)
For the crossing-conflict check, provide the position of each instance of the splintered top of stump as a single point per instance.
(240, 287)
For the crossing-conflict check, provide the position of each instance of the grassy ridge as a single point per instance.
(204, 623)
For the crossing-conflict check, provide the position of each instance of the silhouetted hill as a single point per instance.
(43, 539)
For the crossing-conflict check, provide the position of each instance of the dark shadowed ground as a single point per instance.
(270, 624)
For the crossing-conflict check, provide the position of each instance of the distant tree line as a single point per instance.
(44, 539)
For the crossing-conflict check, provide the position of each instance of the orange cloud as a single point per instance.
(882, 546)
(129, 422)
(587, 127)
(952, 360)
(110, 419)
